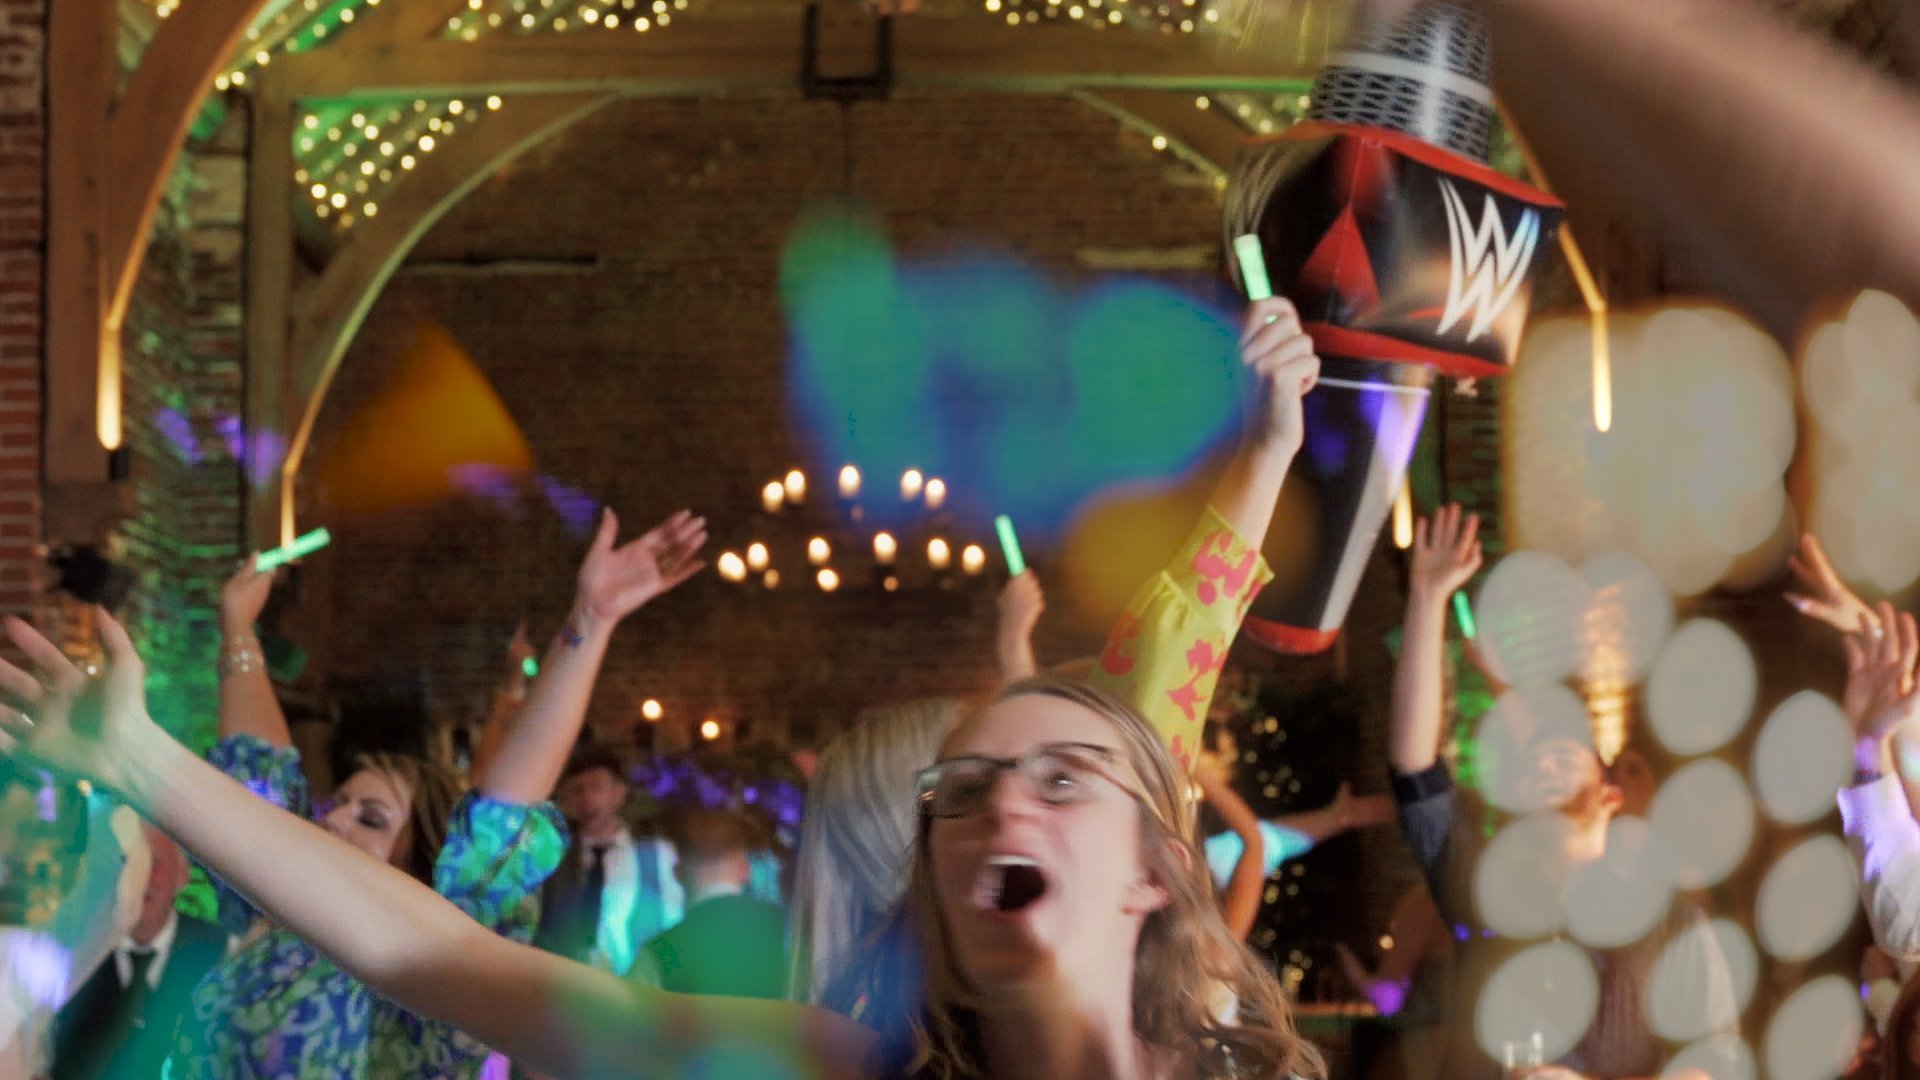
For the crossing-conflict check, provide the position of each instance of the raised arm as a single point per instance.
(1280, 357)
(379, 924)
(1021, 603)
(1446, 554)
(508, 697)
(1240, 900)
(1823, 596)
(1166, 652)
(614, 583)
(248, 705)
(1880, 699)
(1346, 811)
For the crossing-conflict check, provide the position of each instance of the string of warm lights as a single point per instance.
(1184, 16)
(547, 16)
(349, 154)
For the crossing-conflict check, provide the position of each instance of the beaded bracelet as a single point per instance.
(241, 661)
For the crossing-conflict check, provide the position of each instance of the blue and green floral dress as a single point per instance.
(280, 1010)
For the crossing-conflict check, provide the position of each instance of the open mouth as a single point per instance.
(1008, 884)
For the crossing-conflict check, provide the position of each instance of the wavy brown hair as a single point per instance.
(914, 993)
(436, 788)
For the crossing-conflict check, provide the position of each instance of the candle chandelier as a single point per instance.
(831, 542)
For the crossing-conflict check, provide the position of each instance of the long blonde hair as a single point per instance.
(854, 839)
(927, 1015)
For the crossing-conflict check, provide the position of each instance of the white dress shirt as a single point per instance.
(162, 946)
(614, 945)
(1886, 841)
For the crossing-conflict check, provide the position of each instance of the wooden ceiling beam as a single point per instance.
(762, 56)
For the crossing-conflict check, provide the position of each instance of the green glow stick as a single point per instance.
(530, 666)
(1253, 267)
(1464, 613)
(301, 548)
(1010, 545)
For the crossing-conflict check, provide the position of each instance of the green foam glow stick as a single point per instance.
(1010, 545)
(1253, 267)
(1463, 612)
(299, 549)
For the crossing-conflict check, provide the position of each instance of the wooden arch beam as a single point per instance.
(1210, 136)
(328, 312)
(759, 56)
(108, 160)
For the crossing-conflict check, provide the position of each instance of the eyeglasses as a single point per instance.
(1059, 774)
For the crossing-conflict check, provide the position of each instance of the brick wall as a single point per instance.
(22, 242)
(182, 349)
(636, 336)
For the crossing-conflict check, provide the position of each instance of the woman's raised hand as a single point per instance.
(244, 597)
(617, 581)
(64, 720)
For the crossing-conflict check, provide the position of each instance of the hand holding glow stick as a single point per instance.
(1463, 612)
(1253, 267)
(306, 545)
(1010, 545)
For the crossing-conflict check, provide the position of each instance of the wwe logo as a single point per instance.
(1488, 265)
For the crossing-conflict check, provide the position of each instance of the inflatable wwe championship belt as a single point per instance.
(1407, 257)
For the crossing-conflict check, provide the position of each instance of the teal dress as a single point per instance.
(280, 1010)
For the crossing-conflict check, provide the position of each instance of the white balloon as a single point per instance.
(1511, 736)
(1806, 900)
(1702, 688)
(1683, 1002)
(1883, 347)
(1706, 817)
(1627, 620)
(1816, 1031)
(1549, 990)
(1519, 884)
(1721, 1057)
(1803, 757)
(1618, 898)
(1529, 611)
(1828, 380)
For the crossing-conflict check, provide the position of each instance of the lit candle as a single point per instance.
(936, 493)
(731, 567)
(849, 482)
(829, 580)
(973, 558)
(651, 710)
(773, 496)
(910, 484)
(884, 548)
(796, 487)
(757, 555)
(938, 553)
(817, 550)
(709, 729)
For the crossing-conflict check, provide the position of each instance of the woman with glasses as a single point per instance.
(1163, 657)
(1059, 923)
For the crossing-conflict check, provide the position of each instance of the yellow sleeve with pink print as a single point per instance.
(1166, 652)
